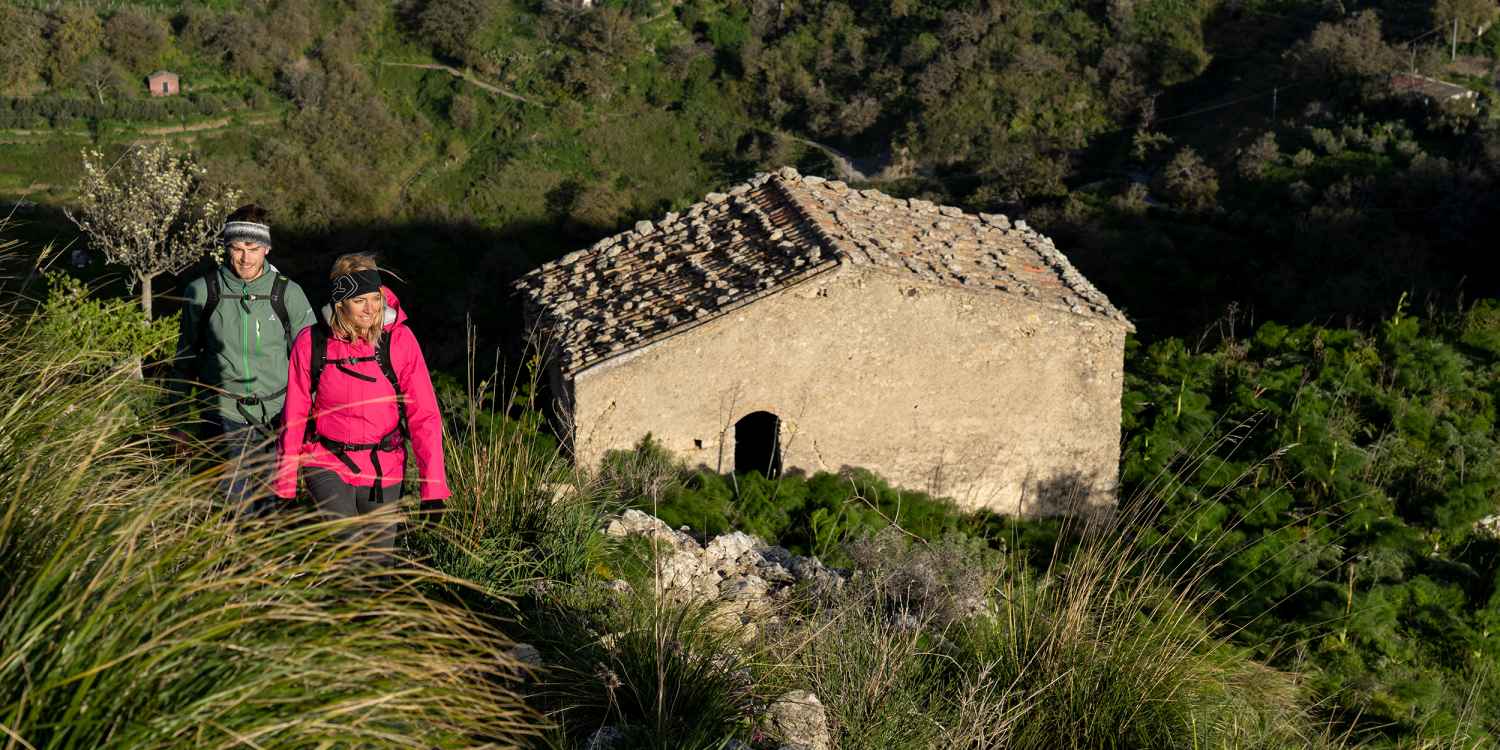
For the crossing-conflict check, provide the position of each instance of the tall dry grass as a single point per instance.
(135, 614)
(1112, 645)
(520, 519)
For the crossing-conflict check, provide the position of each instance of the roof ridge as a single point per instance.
(813, 215)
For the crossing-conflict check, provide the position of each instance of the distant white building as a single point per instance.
(1431, 90)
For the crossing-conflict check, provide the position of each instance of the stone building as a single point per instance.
(797, 323)
(1430, 91)
(162, 83)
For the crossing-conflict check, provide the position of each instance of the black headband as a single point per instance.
(355, 284)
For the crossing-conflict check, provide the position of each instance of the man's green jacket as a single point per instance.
(245, 351)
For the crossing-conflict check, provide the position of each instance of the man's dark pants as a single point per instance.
(249, 455)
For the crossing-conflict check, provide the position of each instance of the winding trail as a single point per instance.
(467, 76)
(848, 170)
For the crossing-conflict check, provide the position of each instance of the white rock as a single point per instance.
(684, 575)
(744, 587)
(731, 546)
(1489, 526)
(798, 718)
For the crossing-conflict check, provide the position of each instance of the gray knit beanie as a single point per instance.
(247, 224)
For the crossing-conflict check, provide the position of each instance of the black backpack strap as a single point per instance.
(383, 355)
(316, 363)
(278, 306)
(205, 317)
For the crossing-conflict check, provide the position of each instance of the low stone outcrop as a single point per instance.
(746, 576)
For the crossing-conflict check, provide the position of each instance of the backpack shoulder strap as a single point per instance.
(210, 302)
(319, 358)
(278, 306)
(316, 362)
(383, 356)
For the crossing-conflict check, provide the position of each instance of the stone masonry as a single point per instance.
(953, 353)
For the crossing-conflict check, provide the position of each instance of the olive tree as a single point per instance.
(151, 210)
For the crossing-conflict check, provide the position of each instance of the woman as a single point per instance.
(357, 391)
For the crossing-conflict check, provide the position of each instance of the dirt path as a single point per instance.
(219, 124)
(21, 135)
(850, 168)
(467, 76)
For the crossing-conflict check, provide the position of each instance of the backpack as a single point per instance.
(277, 298)
(394, 440)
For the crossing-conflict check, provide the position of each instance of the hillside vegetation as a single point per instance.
(1311, 465)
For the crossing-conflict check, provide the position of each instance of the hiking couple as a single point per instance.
(334, 401)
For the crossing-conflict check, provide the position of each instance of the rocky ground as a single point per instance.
(748, 579)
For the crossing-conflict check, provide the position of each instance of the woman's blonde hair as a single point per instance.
(342, 327)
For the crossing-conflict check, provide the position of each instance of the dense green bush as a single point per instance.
(65, 112)
(1341, 503)
(75, 320)
(810, 515)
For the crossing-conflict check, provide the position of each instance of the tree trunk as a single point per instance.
(138, 365)
(146, 296)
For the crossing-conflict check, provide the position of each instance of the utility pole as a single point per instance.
(1454, 56)
(1274, 90)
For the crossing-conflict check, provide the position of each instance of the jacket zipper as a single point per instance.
(245, 344)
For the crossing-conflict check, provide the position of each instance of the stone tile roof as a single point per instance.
(640, 286)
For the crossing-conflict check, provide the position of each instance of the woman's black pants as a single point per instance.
(336, 499)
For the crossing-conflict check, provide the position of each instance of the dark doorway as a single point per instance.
(757, 444)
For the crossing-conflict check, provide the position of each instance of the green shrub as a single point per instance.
(74, 321)
(1337, 476)
(809, 515)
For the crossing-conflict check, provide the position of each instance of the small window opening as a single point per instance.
(697, 443)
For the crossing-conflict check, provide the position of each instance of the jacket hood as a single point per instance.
(394, 315)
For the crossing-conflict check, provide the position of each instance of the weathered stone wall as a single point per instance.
(991, 400)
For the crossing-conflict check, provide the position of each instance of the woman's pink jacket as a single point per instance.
(351, 410)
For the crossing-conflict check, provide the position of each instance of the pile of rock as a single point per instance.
(747, 578)
(744, 574)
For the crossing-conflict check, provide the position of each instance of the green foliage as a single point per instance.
(75, 321)
(1172, 33)
(22, 46)
(809, 515)
(1342, 505)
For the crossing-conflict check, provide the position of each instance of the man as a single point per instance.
(236, 332)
